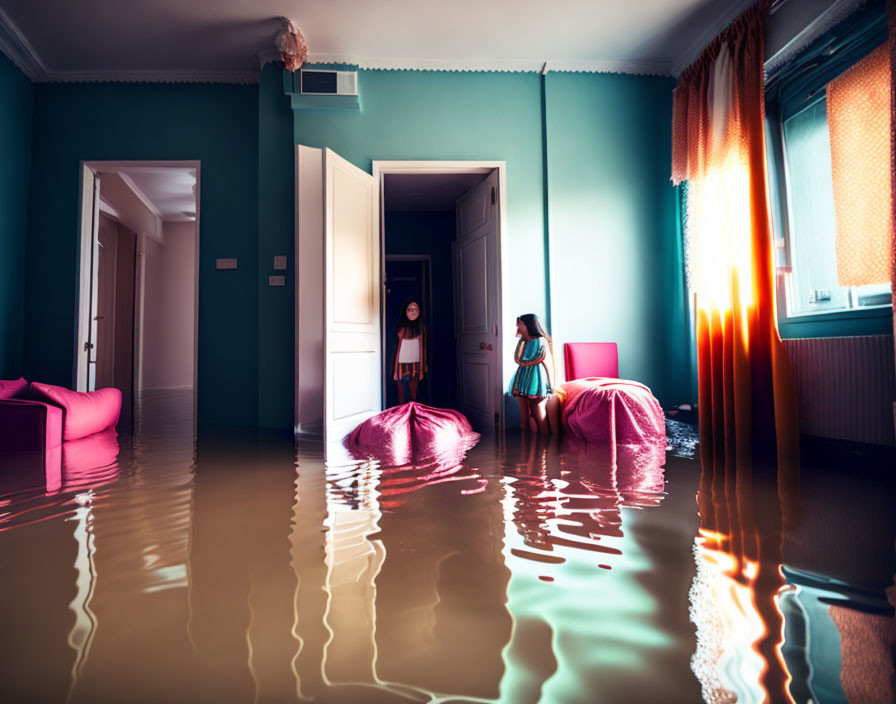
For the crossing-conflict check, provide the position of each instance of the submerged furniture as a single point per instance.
(30, 437)
(599, 407)
(412, 432)
(38, 420)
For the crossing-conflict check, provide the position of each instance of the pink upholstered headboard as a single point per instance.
(591, 359)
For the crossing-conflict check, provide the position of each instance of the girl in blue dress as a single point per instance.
(531, 384)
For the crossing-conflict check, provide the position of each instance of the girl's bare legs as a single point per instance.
(553, 412)
(524, 413)
(413, 384)
(537, 409)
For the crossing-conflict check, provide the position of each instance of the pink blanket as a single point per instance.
(412, 433)
(614, 411)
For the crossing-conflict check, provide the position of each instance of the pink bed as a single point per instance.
(600, 408)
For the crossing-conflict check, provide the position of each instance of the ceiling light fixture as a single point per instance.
(292, 46)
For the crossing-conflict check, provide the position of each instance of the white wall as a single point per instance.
(169, 313)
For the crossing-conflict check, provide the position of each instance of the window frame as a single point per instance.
(812, 70)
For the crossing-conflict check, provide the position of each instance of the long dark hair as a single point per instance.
(535, 329)
(533, 325)
(412, 328)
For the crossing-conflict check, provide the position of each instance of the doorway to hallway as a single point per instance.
(138, 282)
(451, 214)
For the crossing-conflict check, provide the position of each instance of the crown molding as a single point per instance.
(636, 68)
(153, 76)
(19, 50)
(269, 56)
(687, 57)
(502, 65)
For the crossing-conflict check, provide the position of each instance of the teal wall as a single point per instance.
(454, 116)
(217, 124)
(16, 105)
(613, 250)
(587, 182)
(276, 236)
(615, 254)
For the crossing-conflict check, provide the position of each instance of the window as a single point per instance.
(829, 140)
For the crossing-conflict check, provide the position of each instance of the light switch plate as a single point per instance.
(225, 263)
(276, 281)
(280, 262)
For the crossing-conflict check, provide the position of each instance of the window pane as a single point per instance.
(811, 212)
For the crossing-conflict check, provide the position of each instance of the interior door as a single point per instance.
(104, 349)
(85, 343)
(476, 310)
(352, 346)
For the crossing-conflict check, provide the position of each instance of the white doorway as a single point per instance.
(340, 266)
(474, 192)
(137, 299)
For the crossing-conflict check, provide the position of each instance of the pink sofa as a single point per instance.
(36, 419)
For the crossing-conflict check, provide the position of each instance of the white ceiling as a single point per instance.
(426, 192)
(223, 39)
(169, 189)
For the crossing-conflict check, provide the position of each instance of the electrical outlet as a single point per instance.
(276, 281)
(225, 263)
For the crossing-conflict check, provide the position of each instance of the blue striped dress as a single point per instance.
(531, 381)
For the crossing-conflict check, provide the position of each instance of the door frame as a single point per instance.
(82, 303)
(383, 167)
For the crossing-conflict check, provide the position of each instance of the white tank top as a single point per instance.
(410, 351)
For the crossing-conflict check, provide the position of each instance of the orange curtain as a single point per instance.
(858, 111)
(747, 397)
(891, 21)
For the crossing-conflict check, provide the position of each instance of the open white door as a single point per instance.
(85, 342)
(477, 309)
(338, 295)
(352, 384)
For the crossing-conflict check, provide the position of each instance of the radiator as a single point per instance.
(846, 387)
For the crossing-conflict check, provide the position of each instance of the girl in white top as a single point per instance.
(410, 356)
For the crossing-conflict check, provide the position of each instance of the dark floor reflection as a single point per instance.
(243, 567)
(794, 594)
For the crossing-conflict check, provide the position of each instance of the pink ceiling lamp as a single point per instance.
(292, 46)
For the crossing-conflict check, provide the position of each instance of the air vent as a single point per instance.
(316, 82)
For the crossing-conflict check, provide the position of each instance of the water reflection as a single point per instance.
(768, 610)
(243, 567)
(572, 498)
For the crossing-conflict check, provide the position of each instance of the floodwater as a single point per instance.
(242, 567)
